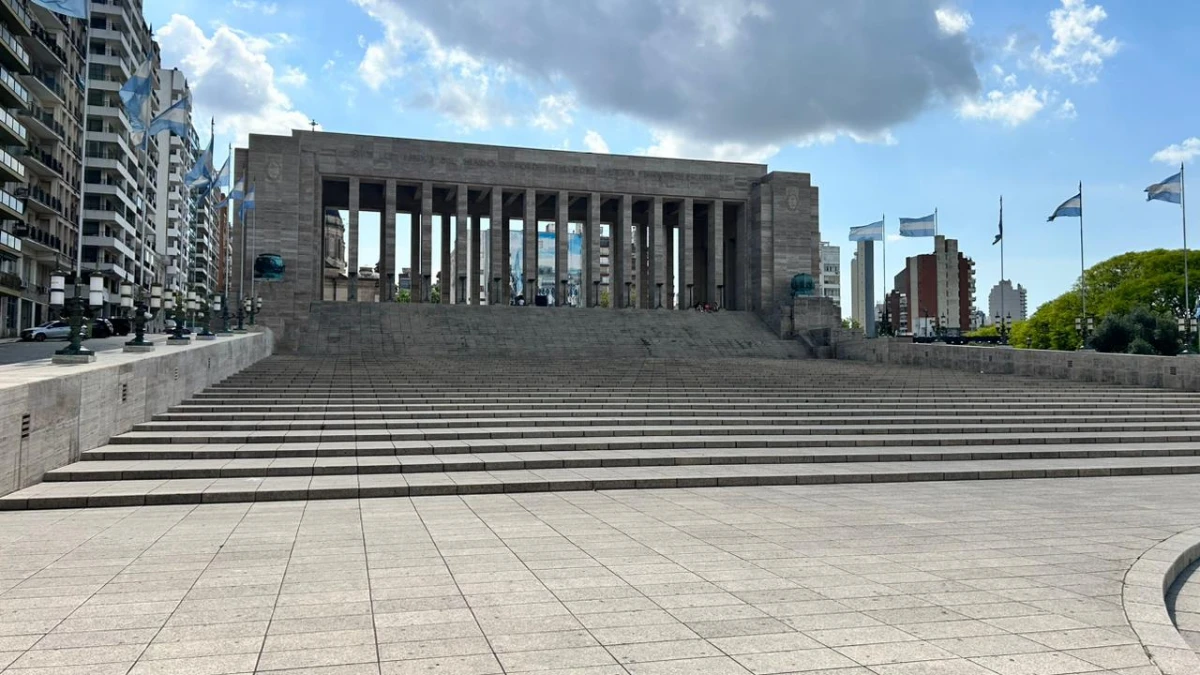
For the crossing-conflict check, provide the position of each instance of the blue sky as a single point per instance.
(936, 104)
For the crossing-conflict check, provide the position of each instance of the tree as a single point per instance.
(435, 295)
(1152, 280)
(985, 331)
(404, 295)
(1137, 332)
(851, 324)
(605, 299)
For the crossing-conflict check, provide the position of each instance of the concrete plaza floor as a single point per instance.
(938, 578)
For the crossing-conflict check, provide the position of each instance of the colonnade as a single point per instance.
(633, 245)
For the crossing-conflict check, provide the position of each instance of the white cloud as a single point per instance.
(1179, 152)
(555, 112)
(687, 66)
(594, 142)
(268, 8)
(231, 78)
(671, 144)
(1010, 108)
(1067, 110)
(884, 137)
(1079, 51)
(294, 77)
(953, 21)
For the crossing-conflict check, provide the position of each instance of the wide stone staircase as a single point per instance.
(319, 427)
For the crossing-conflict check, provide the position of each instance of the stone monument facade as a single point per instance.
(733, 233)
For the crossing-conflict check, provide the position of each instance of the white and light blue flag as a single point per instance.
(872, 232)
(135, 95)
(1072, 208)
(200, 176)
(75, 8)
(176, 119)
(222, 178)
(1170, 190)
(919, 227)
(239, 189)
(248, 202)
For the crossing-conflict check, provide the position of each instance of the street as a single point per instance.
(20, 352)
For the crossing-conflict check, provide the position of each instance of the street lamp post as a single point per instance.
(1084, 326)
(222, 307)
(75, 352)
(1185, 327)
(252, 306)
(204, 317)
(180, 305)
(142, 314)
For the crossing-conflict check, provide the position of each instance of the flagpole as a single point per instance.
(1187, 296)
(935, 222)
(1082, 269)
(1002, 314)
(883, 220)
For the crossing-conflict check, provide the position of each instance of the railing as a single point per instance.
(7, 78)
(47, 39)
(47, 119)
(9, 240)
(50, 82)
(10, 280)
(11, 40)
(12, 123)
(47, 159)
(12, 163)
(45, 198)
(42, 237)
(17, 9)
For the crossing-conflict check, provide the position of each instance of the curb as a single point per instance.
(1143, 599)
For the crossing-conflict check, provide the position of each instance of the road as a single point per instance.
(20, 352)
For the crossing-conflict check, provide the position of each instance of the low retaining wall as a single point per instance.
(1143, 597)
(1165, 372)
(50, 414)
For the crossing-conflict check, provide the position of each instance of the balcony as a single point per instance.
(10, 280)
(41, 124)
(12, 93)
(12, 54)
(13, 14)
(43, 163)
(11, 169)
(108, 267)
(40, 200)
(46, 17)
(40, 240)
(111, 243)
(46, 49)
(10, 243)
(46, 87)
(12, 132)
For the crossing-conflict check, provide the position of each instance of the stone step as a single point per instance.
(684, 418)
(1186, 432)
(508, 461)
(363, 447)
(183, 491)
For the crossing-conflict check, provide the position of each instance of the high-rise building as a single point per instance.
(120, 178)
(829, 282)
(41, 102)
(938, 291)
(1006, 301)
(862, 286)
(175, 209)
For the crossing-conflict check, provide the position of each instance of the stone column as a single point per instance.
(352, 270)
(743, 268)
(716, 252)
(496, 266)
(619, 251)
(645, 275)
(687, 252)
(387, 256)
(592, 264)
(473, 254)
(530, 255)
(561, 234)
(656, 254)
(447, 286)
(668, 258)
(462, 233)
(426, 271)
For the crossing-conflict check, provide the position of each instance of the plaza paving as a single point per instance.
(967, 578)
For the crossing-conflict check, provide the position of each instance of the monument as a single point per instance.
(726, 233)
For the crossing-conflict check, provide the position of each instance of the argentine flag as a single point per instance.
(872, 232)
(239, 189)
(1072, 208)
(222, 179)
(75, 8)
(919, 227)
(201, 175)
(248, 202)
(135, 95)
(1170, 190)
(176, 119)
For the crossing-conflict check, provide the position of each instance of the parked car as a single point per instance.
(53, 330)
(169, 327)
(121, 325)
(101, 328)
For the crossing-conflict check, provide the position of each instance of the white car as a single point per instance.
(54, 330)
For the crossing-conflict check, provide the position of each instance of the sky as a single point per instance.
(895, 108)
